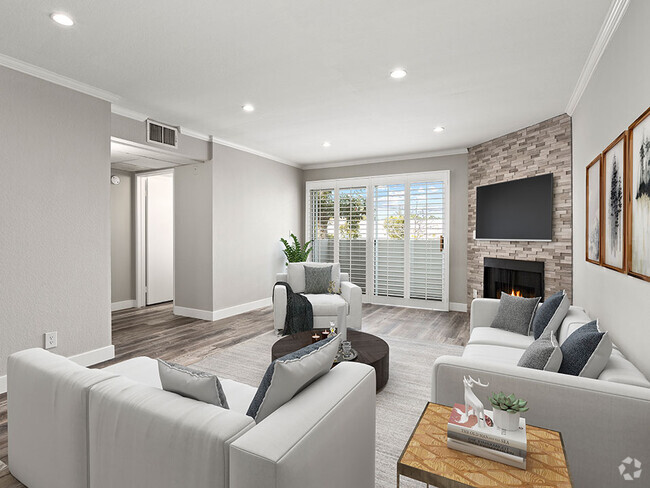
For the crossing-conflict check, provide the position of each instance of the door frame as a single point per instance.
(141, 236)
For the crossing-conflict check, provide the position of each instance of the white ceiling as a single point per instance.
(319, 70)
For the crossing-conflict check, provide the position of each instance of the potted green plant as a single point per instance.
(507, 410)
(295, 252)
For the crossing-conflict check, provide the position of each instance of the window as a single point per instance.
(400, 256)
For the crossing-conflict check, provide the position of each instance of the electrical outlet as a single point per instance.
(475, 293)
(50, 340)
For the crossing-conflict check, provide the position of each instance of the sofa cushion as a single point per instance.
(620, 370)
(515, 313)
(551, 313)
(499, 337)
(239, 395)
(191, 383)
(289, 374)
(326, 305)
(317, 278)
(496, 354)
(296, 275)
(544, 353)
(586, 351)
(575, 318)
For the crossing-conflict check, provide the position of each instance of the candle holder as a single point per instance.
(315, 337)
(325, 334)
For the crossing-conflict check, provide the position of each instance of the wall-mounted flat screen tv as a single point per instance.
(518, 210)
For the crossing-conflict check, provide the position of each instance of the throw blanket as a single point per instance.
(300, 315)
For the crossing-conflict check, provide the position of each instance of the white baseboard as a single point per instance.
(223, 313)
(87, 358)
(457, 307)
(115, 306)
(95, 356)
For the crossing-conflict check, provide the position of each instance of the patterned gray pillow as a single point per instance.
(544, 353)
(191, 383)
(515, 313)
(551, 313)
(317, 278)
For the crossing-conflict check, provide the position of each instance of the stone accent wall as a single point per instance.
(538, 149)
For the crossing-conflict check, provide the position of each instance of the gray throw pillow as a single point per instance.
(551, 313)
(544, 353)
(586, 351)
(292, 373)
(515, 314)
(191, 383)
(317, 278)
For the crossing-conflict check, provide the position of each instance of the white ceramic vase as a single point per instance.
(506, 420)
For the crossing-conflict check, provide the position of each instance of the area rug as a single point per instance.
(399, 403)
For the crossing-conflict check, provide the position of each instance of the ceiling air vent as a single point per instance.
(162, 134)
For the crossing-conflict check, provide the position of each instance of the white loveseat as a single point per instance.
(73, 427)
(603, 421)
(343, 309)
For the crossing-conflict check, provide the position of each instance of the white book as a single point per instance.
(499, 457)
(469, 425)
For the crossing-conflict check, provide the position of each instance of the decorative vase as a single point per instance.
(506, 420)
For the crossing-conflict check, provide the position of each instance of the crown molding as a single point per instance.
(613, 18)
(195, 134)
(255, 152)
(388, 159)
(57, 79)
(128, 113)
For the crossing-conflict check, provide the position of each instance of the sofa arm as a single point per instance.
(144, 437)
(482, 312)
(586, 411)
(281, 277)
(300, 445)
(351, 293)
(279, 306)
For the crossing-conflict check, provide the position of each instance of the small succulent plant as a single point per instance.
(509, 403)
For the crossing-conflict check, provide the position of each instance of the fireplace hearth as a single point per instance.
(512, 276)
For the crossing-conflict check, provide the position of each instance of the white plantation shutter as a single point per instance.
(321, 231)
(390, 233)
(427, 210)
(353, 233)
(388, 245)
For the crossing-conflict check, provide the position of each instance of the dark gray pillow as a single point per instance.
(551, 313)
(515, 313)
(191, 383)
(317, 278)
(586, 351)
(544, 353)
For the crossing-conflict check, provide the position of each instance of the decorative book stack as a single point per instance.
(465, 433)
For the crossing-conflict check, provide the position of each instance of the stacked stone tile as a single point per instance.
(538, 149)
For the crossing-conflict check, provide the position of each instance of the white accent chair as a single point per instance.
(327, 308)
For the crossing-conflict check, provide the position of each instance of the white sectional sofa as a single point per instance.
(603, 421)
(73, 427)
(326, 307)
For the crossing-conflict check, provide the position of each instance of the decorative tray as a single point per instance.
(340, 357)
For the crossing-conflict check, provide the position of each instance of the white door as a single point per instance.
(159, 216)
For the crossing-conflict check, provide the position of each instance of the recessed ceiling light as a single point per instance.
(62, 19)
(398, 73)
(439, 129)
(327, 144)
(248, 108)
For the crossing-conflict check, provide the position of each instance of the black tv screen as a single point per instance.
(519, 210)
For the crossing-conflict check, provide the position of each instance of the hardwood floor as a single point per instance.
(156, 332)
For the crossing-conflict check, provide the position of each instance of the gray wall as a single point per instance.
(123, 238)
(458, 174)
(256, 201)
(616, 95)
(55, 219)
(193, 240)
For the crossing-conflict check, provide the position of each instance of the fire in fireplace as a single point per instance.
(519, 278)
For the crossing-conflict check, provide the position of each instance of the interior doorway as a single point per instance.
(156, 248)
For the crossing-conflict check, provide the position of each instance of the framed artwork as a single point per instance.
(594, 211)
(614, 208)
(639, 197)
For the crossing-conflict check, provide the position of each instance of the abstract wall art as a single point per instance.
(613, 166)
(593, 221)
(639, 197)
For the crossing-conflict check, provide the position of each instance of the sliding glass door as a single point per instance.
(389, 233)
